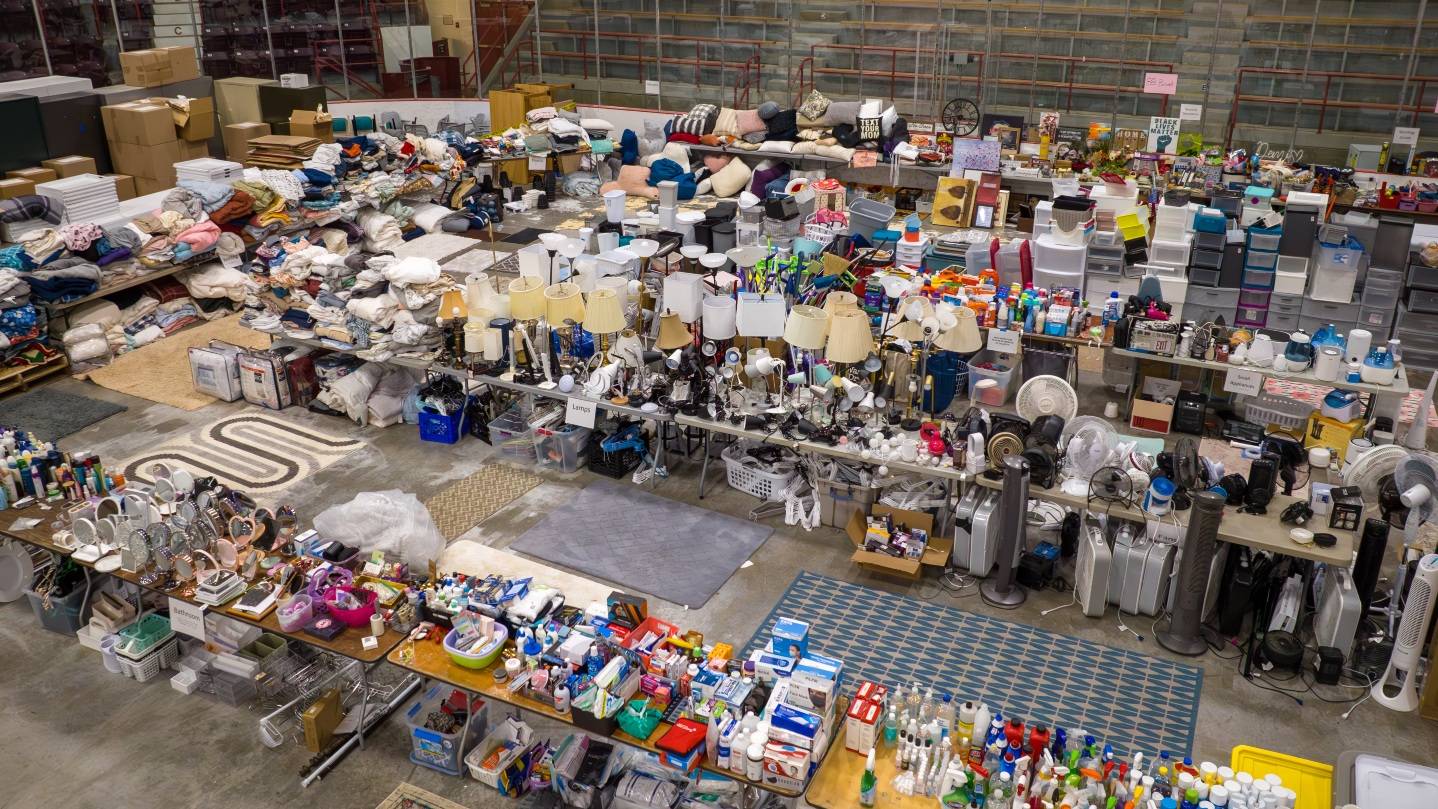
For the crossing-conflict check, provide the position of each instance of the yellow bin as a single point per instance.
(1312, 780)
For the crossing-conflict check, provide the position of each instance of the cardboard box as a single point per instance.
(791, 637)
(316, 124)
(1151, 417)
(195, 124)
(294, 80)
(12, 187)
(238, 137)
(124, 186)
(146, 185)
(34, 174)
(155, 163)
(936, 554)
(194, 151)
(861, 723)
(184, 62)
(138, 122)
(786, 766)
(70, 165)
(147, 68)
(238, 99)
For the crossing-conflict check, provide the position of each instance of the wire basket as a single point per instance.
(149, 666)
(749, 475)
(1279, 411)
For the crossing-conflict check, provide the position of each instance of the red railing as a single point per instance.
(1324, 102)
(504, 19)
(653, 62)
(751, 71)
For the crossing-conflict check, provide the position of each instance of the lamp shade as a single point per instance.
(760, 315)
(917, 308)
(644, 248)
(906, 330)
(619, 284)
(604, 313)
(672, 333)
(839, 299)
(552, 241)
(849, 337)
(807, 327)
(564, 301)
(526, 298)
(719, 317)
(964, 337)
(684, 295)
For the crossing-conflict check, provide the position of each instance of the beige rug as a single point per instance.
(409, 796)
(160, 371)
(466, 503)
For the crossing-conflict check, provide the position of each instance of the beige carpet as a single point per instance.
(466, 503)
(160, 371)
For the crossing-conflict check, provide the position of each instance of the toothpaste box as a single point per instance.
(790, 638)
(871, 692)
(769, 667)
(861, 726)
(785, 766)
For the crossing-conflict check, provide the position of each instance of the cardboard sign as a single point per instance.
(651, 87)
(537, 162)
(1162, 135)
(1243, 381)
(1405, 136)
(580, 412)
(1160, 83)
(1005, 342)
(187, 618)
(1190, 112)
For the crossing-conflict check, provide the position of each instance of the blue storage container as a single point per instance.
(441, 428)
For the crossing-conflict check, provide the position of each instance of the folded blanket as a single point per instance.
(31, 206)
(63, 280)
(214, 280)
(239, 205)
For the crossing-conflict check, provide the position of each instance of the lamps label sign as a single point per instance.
(580, 412)
(1160, 83)
(1405, 136)
(1190, 112)
(1244, 382)
(1004, 342)
(187, 618)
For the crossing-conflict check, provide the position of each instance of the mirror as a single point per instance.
(225, 553)
(252, 563)
(85, 531)
(183, 482)
(160, 471)
(183, 569)
(107, 507)
(163, 491)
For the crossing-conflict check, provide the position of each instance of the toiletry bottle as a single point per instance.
(946, 715)
(926, 706)
(966, 720)
(754, 762)
(738, 748)
(891, 727)
(561, 698)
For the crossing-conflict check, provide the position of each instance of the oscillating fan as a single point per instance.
(1046, 396)
(1087, 442)
(1416, 477)
(1111, 485)
(1397, 688)
(1368, 470)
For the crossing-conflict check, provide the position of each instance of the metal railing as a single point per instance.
(1324, 100)
(650, 64)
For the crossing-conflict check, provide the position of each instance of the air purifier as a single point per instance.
(1181, 635)
(985, 535)
(964, 524)
(1336, 622)
(1397, 688)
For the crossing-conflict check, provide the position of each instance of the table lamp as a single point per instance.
(691, 254)
(746, 258)
(840, 299)
(604, 315)
(480, 294)
(963, 338)
(849, 337)
(645, 249)
(564, 308)
(552, 242)
(806, 331)
(719, 318)
(672, 333)
(526, 305)
(684, 295)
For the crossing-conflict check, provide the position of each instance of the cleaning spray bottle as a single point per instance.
(868, 782)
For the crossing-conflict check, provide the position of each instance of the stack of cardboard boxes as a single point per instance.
(147, 138)
(156, 66)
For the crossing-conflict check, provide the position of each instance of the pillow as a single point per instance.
(634, 181)
(731, 179)
(887, 119)
(777, 146)
(840, 112)
(783, 126)
(805, 147)
(717, 162)
(765, 173)
(747, 121)
(677, 152)
(814, 105)
(596, 124)
(727, 122)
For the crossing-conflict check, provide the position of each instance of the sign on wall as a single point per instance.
(1162, 135)
(1160, 83)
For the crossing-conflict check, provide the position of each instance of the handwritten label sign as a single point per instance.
(1190, 112)
(1004, 342)
(187, 618)
(580, 412)
(1160, 83)
(1405, 136)
(537, 162)
(1244, 382)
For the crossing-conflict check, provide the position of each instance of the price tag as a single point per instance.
(651, 86)
(1405, 136)
(1243, 381)
(1004, 342)
(230, 261)
(1190, 112)
(537, 162)
(187, 618)
(1160, 83)
(580, 412)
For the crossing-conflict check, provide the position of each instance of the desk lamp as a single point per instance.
(718, 323)
(571, 249)
(526, 305)
(645, 249)
(806, 330)
(849, 341)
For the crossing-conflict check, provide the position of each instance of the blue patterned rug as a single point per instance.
(1124, 698)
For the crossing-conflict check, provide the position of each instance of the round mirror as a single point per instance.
(139, 548)
(183, 482)
(163, 491)
(240, 529)
(164, 559)
(85, 531)
(160, 471)
(225, 552)
(134, 507)
(107, 507)
(183, 569)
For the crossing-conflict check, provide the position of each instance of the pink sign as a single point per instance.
(1160, 83)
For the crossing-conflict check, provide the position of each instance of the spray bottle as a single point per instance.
(868, 782)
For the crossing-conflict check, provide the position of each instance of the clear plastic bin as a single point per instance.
(1006, 379)
(563, 448)
(510, 433)
(63, 615)
(1336, 271)
(444, 751)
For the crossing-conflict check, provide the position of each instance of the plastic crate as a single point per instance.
(437, 750)
(748, 475)
(838, 501)
(64, 614)
(149, 666)
(1005, 379)
(231, 689)
(510, 433)
(1279, 411)
(143, 635)
(563, 448)
(612, 464)
(440, 428)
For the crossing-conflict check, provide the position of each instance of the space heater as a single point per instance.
(1091, 568)
(1001, 590)
(1397, 688)
(1371, 549)
(1182, 636)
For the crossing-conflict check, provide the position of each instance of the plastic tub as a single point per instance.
(1003, 379)
(867, 216)
(63, 615)
(358, 616)
(484, 657)
(511, 435)
(748, 476)
(1335, 274)
(441, 428)
(563, 448)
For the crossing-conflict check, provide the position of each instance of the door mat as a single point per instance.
(409, 796)
(255, 452)
(52, 415)
(525, 236)
(160, 371)
(1130, 700)
(469, 502)
(609, 531)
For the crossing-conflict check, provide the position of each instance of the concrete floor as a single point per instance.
(77, 734)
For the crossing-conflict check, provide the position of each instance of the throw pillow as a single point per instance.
(814, 105)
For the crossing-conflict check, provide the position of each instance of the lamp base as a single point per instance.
(997, 595)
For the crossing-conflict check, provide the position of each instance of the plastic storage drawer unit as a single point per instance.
(1422, 276)
(1261, 260)
(1214, 297)
(1330, 311)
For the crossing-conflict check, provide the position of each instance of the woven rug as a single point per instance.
(467, 503)
(160, 371)
(1130, 700)
(608, 531)
(409, 796)
(254, 451)
(52, 415)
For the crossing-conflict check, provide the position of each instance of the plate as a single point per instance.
(17, 570)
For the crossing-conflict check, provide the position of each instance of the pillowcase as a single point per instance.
(783, 125)
(814, 105)
(634, 181)
(746, 121)
(840, 112)
(777, 146)
(727, 122)
(731, 179)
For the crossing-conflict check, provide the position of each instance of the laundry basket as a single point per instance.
(749, 474)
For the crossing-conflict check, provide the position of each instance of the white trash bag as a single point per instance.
(392, 521)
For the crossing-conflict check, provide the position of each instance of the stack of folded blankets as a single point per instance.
(83, 197)
(281, 151)
(209, 169)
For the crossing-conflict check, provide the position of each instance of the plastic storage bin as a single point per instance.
(63, 614)
(867, 215)
(563, 448)
(748, 475)
(441, 428)
(149, 665)
(1290, 283)
(438, 750)
(1006, 379)
(1057, 256)
(1170, 252)
(1261, 260)
(1335, 273)
(510, 433)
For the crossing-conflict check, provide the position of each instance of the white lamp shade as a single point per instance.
(719, 317)
(850, 339)
(644, 248)
(713, 261)
(533, 261)
(604, 313)
(684, 295)
(964, 336)
(478, 288)
(552, 241)
(807, 327)
(747, 256)
(761, 315)
(619, 284)
(693, 251)
(526, 298)
(571, 248)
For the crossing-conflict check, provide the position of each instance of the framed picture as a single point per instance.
(953, 202)
(968, 153)
(1007, 128)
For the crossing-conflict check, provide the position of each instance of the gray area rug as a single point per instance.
(616, 532)
(52, 415)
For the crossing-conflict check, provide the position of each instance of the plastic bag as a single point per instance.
(392, 521)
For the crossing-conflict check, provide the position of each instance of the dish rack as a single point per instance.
(1279, 411)
(315, 678)
(749, 475)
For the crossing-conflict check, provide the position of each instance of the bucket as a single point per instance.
(946, 368)
(614, 205)
(867, 216)
(608, 241)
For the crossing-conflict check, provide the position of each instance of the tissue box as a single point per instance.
(861, 726)
(797, 726)
(785, 766)
(790, 638)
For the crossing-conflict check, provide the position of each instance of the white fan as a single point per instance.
(1416, 477)
(1047, 396)
(1391, 690)
(1087, 442)
(1367, 472)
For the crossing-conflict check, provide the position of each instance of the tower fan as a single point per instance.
(1001, 589)
(1087, 442)
(1397, 688)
